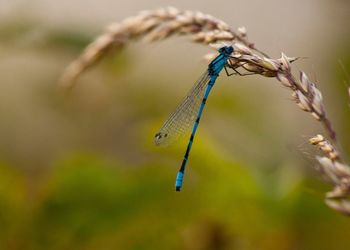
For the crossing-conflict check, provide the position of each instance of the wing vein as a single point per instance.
(184, 115)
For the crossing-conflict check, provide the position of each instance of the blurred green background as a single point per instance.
(80, 171)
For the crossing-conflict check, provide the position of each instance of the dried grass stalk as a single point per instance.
(162, 23)
(153, 25)
(335, 172)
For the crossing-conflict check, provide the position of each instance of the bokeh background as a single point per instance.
(80, 171)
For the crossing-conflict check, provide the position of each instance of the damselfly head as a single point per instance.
(228, 50)
(159, 138)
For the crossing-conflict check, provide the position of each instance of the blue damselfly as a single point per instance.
(190, 110)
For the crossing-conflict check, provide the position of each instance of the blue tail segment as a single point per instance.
(179, 180)
(214, 68)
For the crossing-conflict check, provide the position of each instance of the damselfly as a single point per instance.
(190, 109)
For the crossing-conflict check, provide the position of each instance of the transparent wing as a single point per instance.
(185, 114)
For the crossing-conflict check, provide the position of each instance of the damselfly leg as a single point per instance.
(235, 66)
